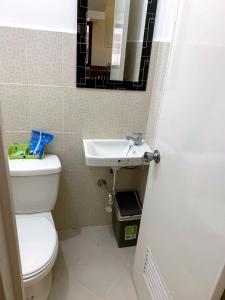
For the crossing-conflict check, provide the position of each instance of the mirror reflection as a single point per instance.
(114, 39)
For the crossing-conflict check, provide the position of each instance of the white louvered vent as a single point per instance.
(155, 283)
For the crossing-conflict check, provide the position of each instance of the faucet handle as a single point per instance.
(140, 138)
(137, 141)
(139, 135)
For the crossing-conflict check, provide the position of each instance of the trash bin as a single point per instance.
(127, 212)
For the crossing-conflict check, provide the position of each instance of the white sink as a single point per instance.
(114, 153)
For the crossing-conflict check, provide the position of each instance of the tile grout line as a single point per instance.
(62, 55)
(109, 290)
(82, 90)
(27, 76)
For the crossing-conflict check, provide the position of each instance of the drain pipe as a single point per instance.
(103, 184)
(114, 170)
(111, 195)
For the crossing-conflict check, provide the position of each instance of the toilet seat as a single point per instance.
(38, 244)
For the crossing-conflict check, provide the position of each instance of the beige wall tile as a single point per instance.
(135, 108)
(15, 107)
(126, 179)
(70, 114)
(96, 173)
(44, 57)
(153, 118)
(140, 180)
(105, 110)
(61, 210)
(77, 196)
(69, 59)
(98, 214)
(98, 133)
(46, 108)
(11, 137)
(76, 109)
(12, 55)
(152, 67)
(157, 91)
(56, 146)
(73, 155)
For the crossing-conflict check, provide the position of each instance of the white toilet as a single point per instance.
(35, 186)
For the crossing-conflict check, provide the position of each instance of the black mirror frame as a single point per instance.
(83, 82)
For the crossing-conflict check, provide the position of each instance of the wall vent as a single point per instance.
(155, 283)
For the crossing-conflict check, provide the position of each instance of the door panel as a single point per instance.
(184, 212)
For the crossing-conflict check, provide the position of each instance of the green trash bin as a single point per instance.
(127, 212)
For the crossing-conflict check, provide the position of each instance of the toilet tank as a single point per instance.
(35, 183)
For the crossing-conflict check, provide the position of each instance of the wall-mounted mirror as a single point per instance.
(114, 41)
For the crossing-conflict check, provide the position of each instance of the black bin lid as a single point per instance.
(128, 203)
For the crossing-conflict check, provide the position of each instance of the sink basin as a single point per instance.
(114, 153)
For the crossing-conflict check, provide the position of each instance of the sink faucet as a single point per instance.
(138, 141)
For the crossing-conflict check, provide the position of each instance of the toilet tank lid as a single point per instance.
(50, 164)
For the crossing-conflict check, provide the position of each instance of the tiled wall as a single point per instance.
(37, 90)
(159, 65)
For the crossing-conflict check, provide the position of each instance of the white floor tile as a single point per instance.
(66, 287)
(122, 289)
(90, 266)
(98, 272)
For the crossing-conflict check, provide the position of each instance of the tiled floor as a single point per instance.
(90, 266)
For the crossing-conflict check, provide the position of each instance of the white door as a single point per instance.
(183, 224)
(120, 31)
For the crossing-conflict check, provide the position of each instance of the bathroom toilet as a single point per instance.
(34, 187)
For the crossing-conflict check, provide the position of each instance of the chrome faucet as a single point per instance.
(138, 140)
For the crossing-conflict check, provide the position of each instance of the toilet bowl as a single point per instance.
(38, 245)
(34, 188)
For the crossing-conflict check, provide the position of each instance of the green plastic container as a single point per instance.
(20, 151)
